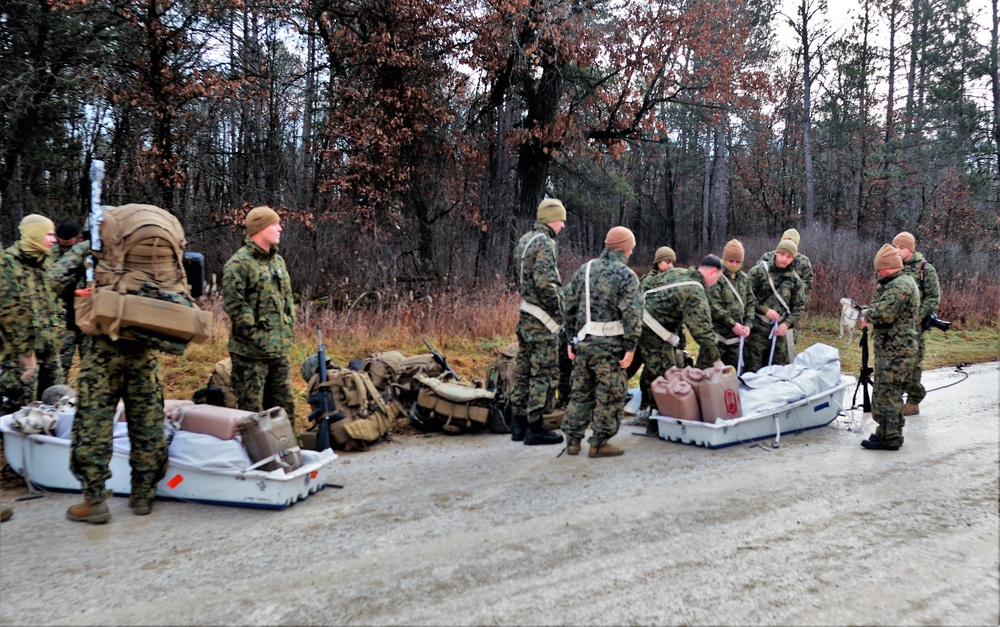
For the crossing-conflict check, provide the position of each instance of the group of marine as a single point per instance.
(606, 323)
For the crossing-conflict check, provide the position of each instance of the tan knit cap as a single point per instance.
(620, 238)
(791, 234)
(733, 251)
(906, 240)
(260, 218)
(888, 257)
(664, 253)
(551, 210)
(788, 247)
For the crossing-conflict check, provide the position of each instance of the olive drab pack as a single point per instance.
(362, 417)
(219, 390)
(500, 377)
(139, 287)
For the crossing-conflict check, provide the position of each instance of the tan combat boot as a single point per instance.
(86, 511)
(141, 507)
(911, 409)
(572, 446)
(605, 449)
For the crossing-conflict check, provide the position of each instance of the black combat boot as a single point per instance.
(519, 429)
(538, 434)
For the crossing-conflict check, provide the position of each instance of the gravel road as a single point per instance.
(477, 529)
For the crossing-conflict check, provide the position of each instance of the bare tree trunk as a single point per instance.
(706, 196)
(995, 76)
(719, 178)
(859, 138)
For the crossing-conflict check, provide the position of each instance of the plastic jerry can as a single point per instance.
(269, 436)
(676, 399)
(719, 394)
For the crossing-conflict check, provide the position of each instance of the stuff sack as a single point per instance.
(452, 406)
(500, 377)
(139, 288)
(362, 417)
(270, 441)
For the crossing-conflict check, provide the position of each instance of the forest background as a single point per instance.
(407, 143)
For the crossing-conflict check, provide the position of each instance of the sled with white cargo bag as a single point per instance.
(774, 401)
(205, 468)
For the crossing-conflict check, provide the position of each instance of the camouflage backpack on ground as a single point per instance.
(452, 406)
(362, 417)
(219, 390)
(500, 378)
(394, 375)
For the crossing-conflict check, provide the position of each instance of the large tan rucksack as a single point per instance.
(362, 416)
(139, 282)
(219, 390)
(394, 375)
(500, 378)
(452, 406)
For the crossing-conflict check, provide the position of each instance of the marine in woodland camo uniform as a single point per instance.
(31, 318)
(801, 264)
(257, 297)
(790, 288)
(111, 370)
(893, 314)
(733, 304)
(540, 287)
(663, 260)
(599, 383)
(69, 265)
(674, 308)
(915, 265)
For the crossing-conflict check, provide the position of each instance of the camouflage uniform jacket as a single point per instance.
(727, 311)
(538, 280)
(894, 316)
(787, 283)
(257, 297)
(677, 307)
(31, 318)
(68, 274)
(801, 264)
(614, 295)
(927, 282)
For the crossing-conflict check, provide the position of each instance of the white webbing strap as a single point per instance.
(524, 254)
(671, 338)
(595, 328)
(727, 342)
(541, 315)
(647, 318)
(732, 288)
(270, 458)
(774, 290)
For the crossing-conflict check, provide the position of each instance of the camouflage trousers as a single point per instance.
(887, 400)
(914, 389)
(537, 378)
(261, 384)
(19, 393)
(757, 348)
(72, 341)
(597, 396)
(110, 371)
(657, 357)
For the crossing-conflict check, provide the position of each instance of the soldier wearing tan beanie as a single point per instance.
(924, 273)
(801, 263)
(733, 304)
(603, 316)
(257, 297)
(781, 300)
(30, 316)
(894, 316)
(541, 365)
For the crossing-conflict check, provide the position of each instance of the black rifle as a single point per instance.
(865, 378)
(321, 415)
(439, 358)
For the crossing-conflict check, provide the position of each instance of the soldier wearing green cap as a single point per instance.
(257, 297)
(539, 325)
(801, 264)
